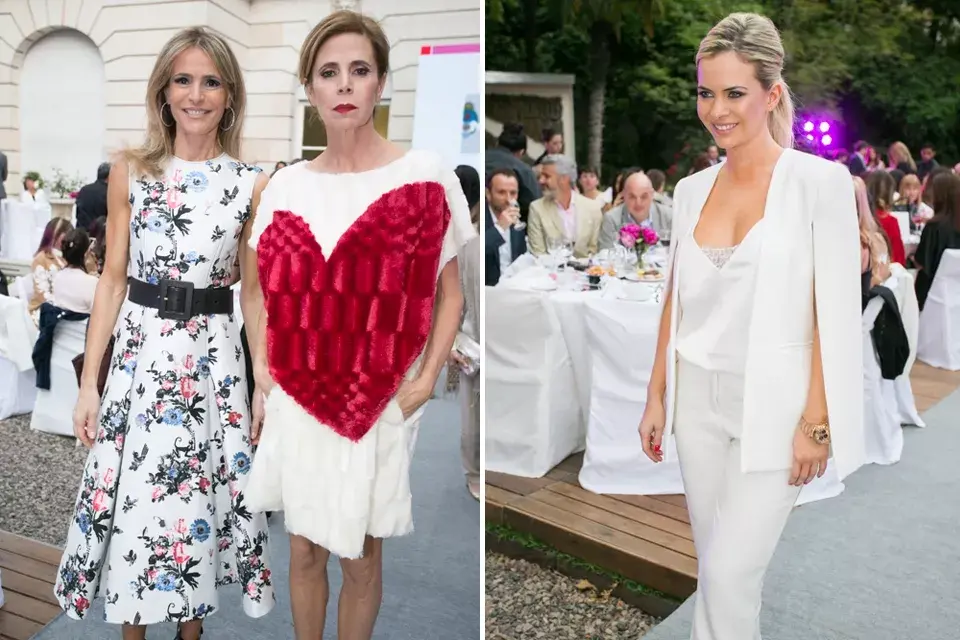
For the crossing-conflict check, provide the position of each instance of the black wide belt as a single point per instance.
(178, 300)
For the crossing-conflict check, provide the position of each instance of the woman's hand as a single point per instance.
(85, 414)
(259, 412)
(457, 360)
(809, 459)
(412, 395)
(263, 385)
(651, 429)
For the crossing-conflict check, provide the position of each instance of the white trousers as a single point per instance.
(737, 517)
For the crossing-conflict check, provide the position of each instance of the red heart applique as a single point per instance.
(342, 331)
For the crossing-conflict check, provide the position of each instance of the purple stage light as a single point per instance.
(810, 137)
(808, 126)
(824, 127)
(826, 140)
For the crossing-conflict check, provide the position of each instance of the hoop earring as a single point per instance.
(233, 120)
(164, 122)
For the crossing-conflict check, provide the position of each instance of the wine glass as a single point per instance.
(519, 225)
(555, 248)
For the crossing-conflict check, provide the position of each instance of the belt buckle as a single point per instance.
(166, 313)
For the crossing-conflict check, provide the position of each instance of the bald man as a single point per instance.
(638, 207)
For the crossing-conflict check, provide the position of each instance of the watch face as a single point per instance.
(821, 435)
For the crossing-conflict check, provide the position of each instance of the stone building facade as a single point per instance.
(73, 73)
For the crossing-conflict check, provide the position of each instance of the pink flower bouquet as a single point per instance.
(639, 238)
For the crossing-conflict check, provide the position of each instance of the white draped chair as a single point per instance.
(53, 410)
(17, 378)
(899, 393)
(532, 412)
(622, 352)
(939, 339)
(882, 432)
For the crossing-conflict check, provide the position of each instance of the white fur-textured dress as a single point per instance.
(335, 490)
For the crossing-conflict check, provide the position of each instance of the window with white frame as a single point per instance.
(313, 135)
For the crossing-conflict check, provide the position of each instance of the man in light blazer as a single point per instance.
(562, 212)
(639, 208)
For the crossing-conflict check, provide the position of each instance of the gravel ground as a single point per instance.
(526, 602)
(39, 479)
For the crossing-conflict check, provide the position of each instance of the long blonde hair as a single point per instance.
(870, 234)
(755, 39)
(151, 157)
(899, 152)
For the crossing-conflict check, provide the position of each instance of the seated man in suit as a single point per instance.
(503, 241)
(639, 207)
(562, 214)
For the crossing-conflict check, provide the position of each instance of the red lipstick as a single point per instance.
(344, 108)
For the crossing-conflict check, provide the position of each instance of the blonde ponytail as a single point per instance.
(781, 120)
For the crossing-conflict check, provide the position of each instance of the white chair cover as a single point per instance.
(22, 287)
(17, 333)
(899, 393)
(17, 378)
(622, 353)
(882, 432)
(532, 414)
(939, 339)
(53, 411)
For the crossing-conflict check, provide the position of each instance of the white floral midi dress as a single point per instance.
(161, 519)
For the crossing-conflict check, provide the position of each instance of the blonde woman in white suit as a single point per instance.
(758, 372)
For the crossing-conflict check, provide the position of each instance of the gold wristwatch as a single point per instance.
(819, 432)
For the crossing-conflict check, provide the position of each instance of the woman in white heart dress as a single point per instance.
(356, 261)
(336, 489)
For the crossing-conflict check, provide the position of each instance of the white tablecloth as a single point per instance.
(21, 227)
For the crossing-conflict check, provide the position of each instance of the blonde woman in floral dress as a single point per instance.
(161, 519)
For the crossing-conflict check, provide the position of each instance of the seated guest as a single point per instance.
(940, 234)
(638, 207)
(509, 153)
(73, 286)
(880, 187)
(590, 184)
(92, 199)
(874, 258)
(46, 263)
(562, 215)
(910, 190)
(503, 242)
(32, 193)
(97, 253)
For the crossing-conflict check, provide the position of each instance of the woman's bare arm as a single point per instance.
(112, 285)
(657, 386)
(251, 294)
(446, 322)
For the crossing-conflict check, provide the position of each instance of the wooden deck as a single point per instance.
(644, 538)
(28, 571)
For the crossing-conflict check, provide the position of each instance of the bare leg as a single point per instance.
(191, 629)
(361, 593)
(308, 588)
(134, 632)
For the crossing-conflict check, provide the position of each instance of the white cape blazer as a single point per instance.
(809, 260)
